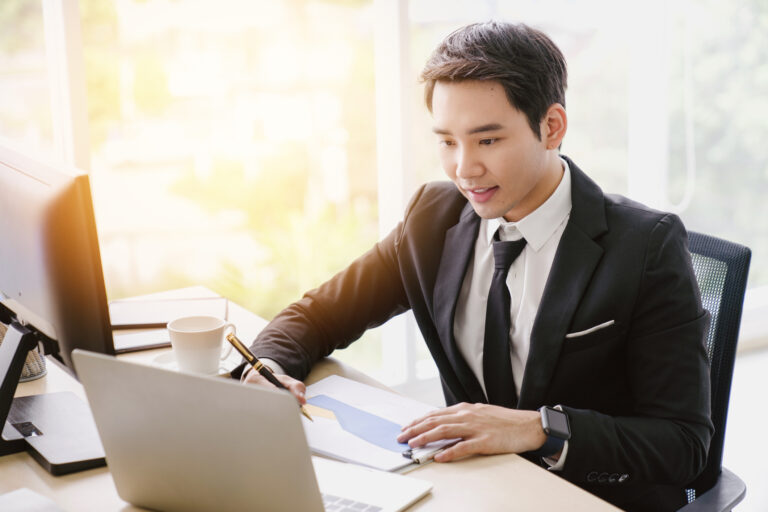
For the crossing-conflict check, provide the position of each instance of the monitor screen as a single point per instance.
(51, 278)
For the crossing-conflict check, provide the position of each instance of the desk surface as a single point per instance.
(498, 482)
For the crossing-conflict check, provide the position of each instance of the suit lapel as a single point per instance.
(457, 250)
(575, 260)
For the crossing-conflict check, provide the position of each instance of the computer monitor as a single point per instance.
(51, 278)
(51, 292)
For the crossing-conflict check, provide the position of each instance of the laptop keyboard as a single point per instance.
(337, 504)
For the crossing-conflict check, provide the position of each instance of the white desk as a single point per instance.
(499, 482)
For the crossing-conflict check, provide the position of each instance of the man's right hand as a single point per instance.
(296, 387)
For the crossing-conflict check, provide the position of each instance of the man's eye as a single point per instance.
(446, 143)
(488, 142)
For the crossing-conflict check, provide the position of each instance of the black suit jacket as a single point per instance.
(636, 392)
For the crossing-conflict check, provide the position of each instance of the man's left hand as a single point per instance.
(483, 429)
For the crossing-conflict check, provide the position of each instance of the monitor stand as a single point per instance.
(57, 429)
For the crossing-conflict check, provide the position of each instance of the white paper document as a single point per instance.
(358, 423)
(26, 500)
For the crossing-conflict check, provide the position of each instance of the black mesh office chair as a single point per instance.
(721, 269)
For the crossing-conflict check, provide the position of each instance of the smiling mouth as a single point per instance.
(481, 195)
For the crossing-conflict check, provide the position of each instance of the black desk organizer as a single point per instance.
(57, 429)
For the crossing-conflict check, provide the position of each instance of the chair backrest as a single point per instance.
(721, 269)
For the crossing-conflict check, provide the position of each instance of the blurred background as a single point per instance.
(256, 147)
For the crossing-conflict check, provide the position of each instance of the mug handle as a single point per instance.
(228, 351)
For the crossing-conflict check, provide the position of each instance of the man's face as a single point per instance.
(490, 152)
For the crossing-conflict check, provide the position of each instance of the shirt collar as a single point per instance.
(539, 225)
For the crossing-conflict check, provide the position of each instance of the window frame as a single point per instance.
(396, 181)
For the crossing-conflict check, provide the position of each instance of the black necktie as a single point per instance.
(497, 367)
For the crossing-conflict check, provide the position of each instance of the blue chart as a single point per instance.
(374, 429)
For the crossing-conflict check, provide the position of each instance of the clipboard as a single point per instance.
(156, 313)
(357, 423)
(427, 453)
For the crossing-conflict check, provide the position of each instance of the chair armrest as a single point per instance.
(727, 492)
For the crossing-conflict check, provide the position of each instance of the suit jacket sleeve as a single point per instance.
(364, 295)
(664, 436)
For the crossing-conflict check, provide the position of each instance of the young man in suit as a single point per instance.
(596, 328)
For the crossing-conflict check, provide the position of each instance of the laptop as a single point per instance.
(182, 442)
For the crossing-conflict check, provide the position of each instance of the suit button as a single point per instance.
(602, 478)
(623, 477)
(613, 478)
(591, 477)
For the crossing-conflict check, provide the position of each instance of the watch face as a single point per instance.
(558, 423)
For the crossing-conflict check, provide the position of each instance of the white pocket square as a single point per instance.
(590, 330)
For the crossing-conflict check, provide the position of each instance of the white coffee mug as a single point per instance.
(197, 342)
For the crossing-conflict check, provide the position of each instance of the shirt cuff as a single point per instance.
(273, 365)
(557, 465)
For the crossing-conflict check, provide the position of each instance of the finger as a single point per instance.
(448, 431)
(254, 377)
(428, 423)
(296, 387)
(445, 411)
(457, 451)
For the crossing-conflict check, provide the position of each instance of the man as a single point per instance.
(598, 315)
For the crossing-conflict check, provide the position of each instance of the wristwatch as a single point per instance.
(555, 424)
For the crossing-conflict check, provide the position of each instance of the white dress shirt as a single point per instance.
(527, 277)
(542, 230)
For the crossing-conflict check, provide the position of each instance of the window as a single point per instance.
(257, 147)
(233, 145)
(25, 119)
(669, 109)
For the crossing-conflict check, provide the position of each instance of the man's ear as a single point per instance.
(554, 125)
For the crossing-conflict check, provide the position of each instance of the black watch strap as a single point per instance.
(550, 447)
(558, 432)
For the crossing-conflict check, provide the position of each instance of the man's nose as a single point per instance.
(467, 164)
